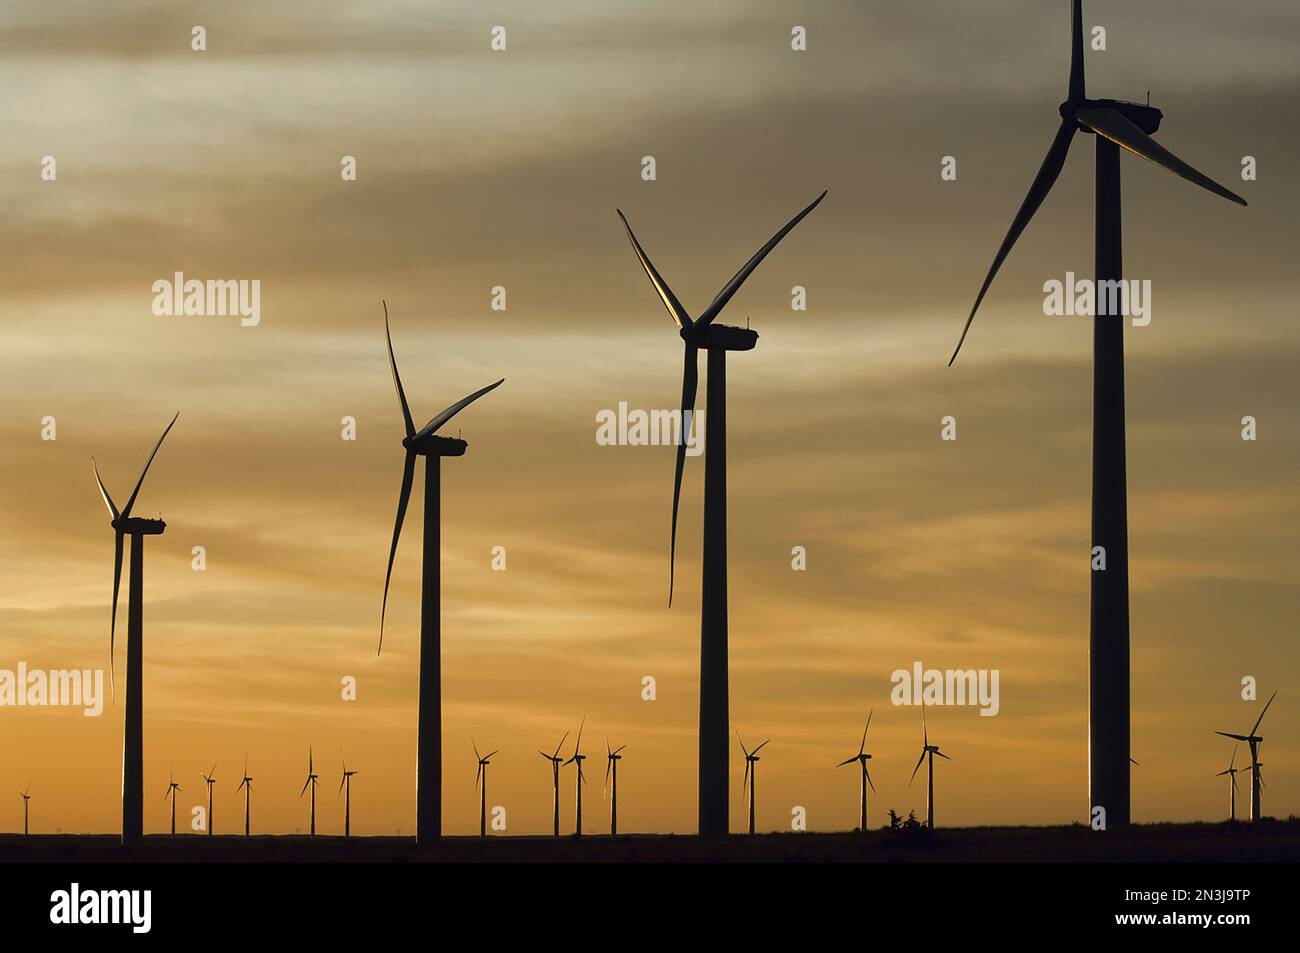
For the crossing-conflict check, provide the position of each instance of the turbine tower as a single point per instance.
(27, 797)
(578, 758)
(345, 788)
(862, 758)
(124, 524)
(1116, 125)
(311, 782)
(209, 779)
(172, 788)
(751, 776)
(1232, 784)
(717, 340)
(556, 761)
(428, 444)
(928, 751)
(247, 786)
(612, 758)
(1254, 741)
(480, 782)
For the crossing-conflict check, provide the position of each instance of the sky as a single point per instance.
(479, 169)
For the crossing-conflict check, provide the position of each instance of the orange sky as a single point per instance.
(478, 169)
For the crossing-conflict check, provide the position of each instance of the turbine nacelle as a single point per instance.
(721, 337)
(138, 526)
(1145, 117)
(435, 445)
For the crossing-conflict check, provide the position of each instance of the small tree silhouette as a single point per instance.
(911, 824)
(895, 822)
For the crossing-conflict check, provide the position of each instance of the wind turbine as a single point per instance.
(612, 758)
(555, 760)
(345, 788)
(1116, 125)
(247, 785)
(1253, 740)
(480, 782)
(1232, 784)
(751, 776)
(717, 340)
(172, 788)
(124, 524)
(428, 444)
(210, 779)
(26, 796)
(928, 751)
(862, 758)
(311, 782)
(578, 758)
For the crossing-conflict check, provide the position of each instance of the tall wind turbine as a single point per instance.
(1232, 784)
(345, 788)
(751, 776)
(428, 444)
(578, 758)
(1254, 741)
(124, 524)
(311, 782)
(247, 786)
(928, 751)
(210, 779)
(862, 758)
(612, 758)
(717, 340)
(172, 788)
(1117, 125)
(27, 797)
(480, 782)
(556, 761)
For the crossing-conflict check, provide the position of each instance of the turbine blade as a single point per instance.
(475, 747)
(742, 744)
(304, 787)
(1117, 127)
(619, 748)
(577, 745)
(450, 412)
(1228, 735)
(863, 747)
(1076, 52)
(341, 783)
(731, 287)
(112, 626)
(397, 379)
(609, 763)
(478, 774)
(849, 761)
(942, 755)
(126, 510)
(761, 747)
(559, 746)
(869, 781)
(916, 769)
(1047, 175)
(690, 383)
(490, 754)
(103, 490)
(1222, 773)
(744, 786)
(675, 309)
(1262, 713)
(404, 497)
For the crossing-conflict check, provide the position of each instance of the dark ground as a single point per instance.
(1267, 841)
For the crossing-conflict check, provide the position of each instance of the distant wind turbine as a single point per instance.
(612, 758)
(1254, 741)
(578, 758)
(556, 761)
(751, 776)
(345, 788)
(172, 788)
(428, 444)
(247, 785)
(717, 340)
(480, 782)
(862, 758)
(928, 751)
(27, 797)
(311, 782)
(124, 524)
(1117, 125)
(1232, 783)
(210, 779)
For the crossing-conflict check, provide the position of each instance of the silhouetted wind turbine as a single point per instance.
(345, 788)
(578, 758)
(172, 788)
(862, 758)
(480, 782)
(1254, 741)
(428, 444)
(612, 758)
(311, 782)
(717, 339)
(751, 776)
(210, 779)
(247, 785)
(1232, 784)
(124, 524)
(555, 760)
(27, 797)
(1117, 125)
(928, 751)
